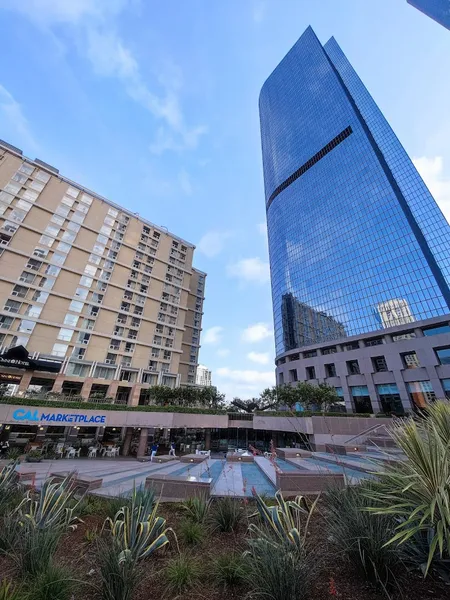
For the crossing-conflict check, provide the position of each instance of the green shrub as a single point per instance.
(277, 572)
(8, 592)
(416, 492)
(197, 508)
(90, 535)
(361, 536)
(230, 569)
(182, 574)
(118, 572)
(92, 505)
(191, 532)
(226, 515)
(53, 583)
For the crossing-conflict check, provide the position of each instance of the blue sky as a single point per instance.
(155, 105)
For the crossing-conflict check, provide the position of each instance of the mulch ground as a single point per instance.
(336, 580)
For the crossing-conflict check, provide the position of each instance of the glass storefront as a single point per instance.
(361, 399)
(390, 399)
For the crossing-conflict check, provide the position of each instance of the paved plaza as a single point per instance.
(119, 475)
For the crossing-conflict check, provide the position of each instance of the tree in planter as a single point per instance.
(309, 396)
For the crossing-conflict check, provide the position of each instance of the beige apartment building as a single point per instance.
(104, 302)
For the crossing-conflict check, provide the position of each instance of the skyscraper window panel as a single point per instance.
(356, 241)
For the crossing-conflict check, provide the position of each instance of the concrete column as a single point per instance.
(25, 382)
(127, 441)
(207, 439)
(135, 393)
(112, 390)
(143, 440)
(401, 385)
(86, 389)
(376, 405)
(58, 383)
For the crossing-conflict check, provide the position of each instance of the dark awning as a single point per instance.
(18, 358)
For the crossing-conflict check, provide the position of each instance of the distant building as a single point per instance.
(203, 376)
(439, 10)
(395, 312)
(302, 325)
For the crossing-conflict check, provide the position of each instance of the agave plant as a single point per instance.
(137, 529)
(417, 491)
(282, 523)
(52, 509)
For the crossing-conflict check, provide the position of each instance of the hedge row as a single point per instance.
(168, 408)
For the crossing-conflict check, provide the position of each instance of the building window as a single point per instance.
(59, 350)
(408, 335)
(410, 360)
(104, 373)
(293, 375)
(27, 277)
(76, 369)
(71, 320)
(436, 330)
(390, 398)
(20, 291)
(353, 367)
(379, 364)
(310, 373)
(76, 306)
(446, 386)
(114, 344)
(26, 326)
(351, 346)
(40, 296)
(361, 399)
(421, 393)
(65, 334)
(34, 264)
(310, 354)
(331, 350)
(280, 377)
(374, 342)
(443, 355)
(12, 306)
(83, 338)
(330, 370)
(6, 322)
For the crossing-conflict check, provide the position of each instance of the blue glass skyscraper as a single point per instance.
(353, 230)
(439, 10)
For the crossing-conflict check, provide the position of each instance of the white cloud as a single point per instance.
(94, 29)
(432, 172)
(223, 352)
(212, 335)
(262, 358)
(250, 269)
(256, 333)
(185, 182)
(244, 384)
(13, 122)
(212, 243)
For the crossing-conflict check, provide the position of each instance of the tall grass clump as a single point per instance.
(230, 569)
(118, 572)
(282, 561)
(363, 537)
(182, 573)
(53, 583)
(9, 592)
(226, 515)
(191, 532)
(197, 508)
(416, 492)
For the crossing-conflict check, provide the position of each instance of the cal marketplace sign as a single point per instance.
(34, 415)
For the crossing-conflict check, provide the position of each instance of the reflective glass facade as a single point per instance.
(439, 10)
(357, 243)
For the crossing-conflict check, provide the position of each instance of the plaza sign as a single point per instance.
(34, 415)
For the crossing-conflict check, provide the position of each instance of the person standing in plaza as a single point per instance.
(154, 451)
(172, 449)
